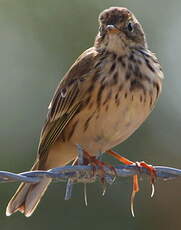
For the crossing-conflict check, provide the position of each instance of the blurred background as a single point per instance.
(39, 40)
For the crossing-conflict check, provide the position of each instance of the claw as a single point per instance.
(152, 190)
(135, 190)
(104, 189)
(152, 172)
(85, 194)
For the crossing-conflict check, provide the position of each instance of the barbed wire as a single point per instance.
(87, 174)
(80, 173)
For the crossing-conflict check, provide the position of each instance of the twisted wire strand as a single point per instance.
(86, 174)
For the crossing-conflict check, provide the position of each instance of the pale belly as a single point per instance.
(99, 130)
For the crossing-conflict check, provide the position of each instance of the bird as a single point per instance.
(104, 97)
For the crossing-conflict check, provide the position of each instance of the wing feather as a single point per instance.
(66, 100)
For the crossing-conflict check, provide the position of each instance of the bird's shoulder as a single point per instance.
(78, 72)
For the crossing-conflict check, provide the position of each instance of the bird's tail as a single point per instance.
(27, 196)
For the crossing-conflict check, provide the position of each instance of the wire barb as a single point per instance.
(69, 188)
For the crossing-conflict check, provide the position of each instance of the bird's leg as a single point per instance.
(150, 169)
(89, 159)
(119, 157)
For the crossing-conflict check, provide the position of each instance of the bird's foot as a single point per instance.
(140, 165)
(92, 160)
(151, 171)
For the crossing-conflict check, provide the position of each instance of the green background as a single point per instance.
(39, 40)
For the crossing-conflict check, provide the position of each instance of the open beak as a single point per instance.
(112, 29)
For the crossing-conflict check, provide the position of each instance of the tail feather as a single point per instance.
(27, 196)
(16, 202)
(34, 196)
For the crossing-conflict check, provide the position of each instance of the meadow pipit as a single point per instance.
(104, 97)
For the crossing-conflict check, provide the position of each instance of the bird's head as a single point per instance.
(119, 29)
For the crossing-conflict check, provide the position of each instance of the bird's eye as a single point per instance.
(130, 27)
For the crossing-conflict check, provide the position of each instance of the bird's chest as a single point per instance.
(112, 114)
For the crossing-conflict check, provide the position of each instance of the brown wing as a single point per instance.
(66, 100)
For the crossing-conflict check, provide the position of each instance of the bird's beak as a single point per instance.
(112, 29)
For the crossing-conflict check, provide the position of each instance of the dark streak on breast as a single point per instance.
(136, 71)
(87, 100)
(130, 66)
(108, 97)
(132, 58)
(102, 57)
(98, 64)
(72, 130)
(96, 76)
(90, 89)
(136, 85)
(99, 95)
(120, 59)
(86, 124)
(81, 107)
(115, 78)
(116, 96)
(141, 98)
(102, 80)
(150, 56)
(149, 65)
(128, 75)
(113, 56)
(112, 67)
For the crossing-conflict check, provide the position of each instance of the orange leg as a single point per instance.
(119, 157)
(135, 177)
